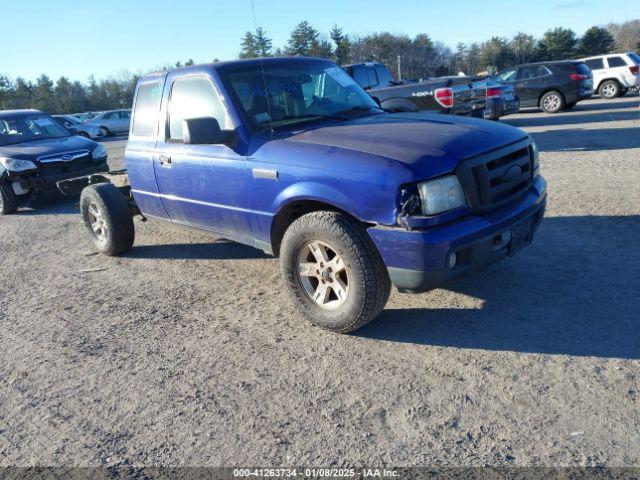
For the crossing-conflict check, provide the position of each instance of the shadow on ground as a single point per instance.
(575, 291)
(50, 204)
(214, 250)
(588, 140)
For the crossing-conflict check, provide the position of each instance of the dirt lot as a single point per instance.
(188, 352)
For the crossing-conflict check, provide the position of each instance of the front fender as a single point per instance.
(318, 192)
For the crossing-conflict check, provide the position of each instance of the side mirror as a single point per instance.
(204, 131)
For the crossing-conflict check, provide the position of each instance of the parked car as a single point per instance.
(614, 75)
(502, 100)
(113, 122)
(551, 86)
(36, 152)
(290, 155)
(452, 95)
(83, 117)
(75, 126)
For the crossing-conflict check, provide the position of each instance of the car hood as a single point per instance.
(415, 138)
(38, 148)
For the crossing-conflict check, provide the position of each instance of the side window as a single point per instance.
(146, 109)
(615, 62)
(360, 76)
(125, 115)
(194, 97)
(506, 76)
(595, 63)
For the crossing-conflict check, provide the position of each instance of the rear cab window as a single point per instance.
(145, 113)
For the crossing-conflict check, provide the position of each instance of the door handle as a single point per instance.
(164, 160)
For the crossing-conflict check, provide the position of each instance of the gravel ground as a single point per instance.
(187, 351)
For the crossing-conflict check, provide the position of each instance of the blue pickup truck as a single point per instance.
(293, 157)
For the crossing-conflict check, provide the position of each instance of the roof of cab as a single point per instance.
(233, 63)
(17, 113)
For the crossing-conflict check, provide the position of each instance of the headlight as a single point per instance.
(536, 159)
(15, 165)
(99, 153)
(441, 195)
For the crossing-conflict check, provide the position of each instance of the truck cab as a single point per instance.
(292, 156)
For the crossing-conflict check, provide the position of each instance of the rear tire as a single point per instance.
(552, 102)
(8, 199)
(333, 271)
(610, 89)
(108, 219)
(105, 131)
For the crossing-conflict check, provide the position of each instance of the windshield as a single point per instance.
(297, 92)
(26, 128)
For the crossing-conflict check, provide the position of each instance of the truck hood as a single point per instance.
(415, 138)
(38, 148)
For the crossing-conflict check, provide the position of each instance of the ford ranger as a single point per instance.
(292, 156)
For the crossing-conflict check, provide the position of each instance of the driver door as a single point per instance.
(205, 186)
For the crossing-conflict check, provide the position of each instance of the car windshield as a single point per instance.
(277, 95)
(26, 128)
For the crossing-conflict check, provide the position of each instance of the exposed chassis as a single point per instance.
(118, 178)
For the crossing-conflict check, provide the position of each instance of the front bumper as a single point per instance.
(419, 261)
(35, 182)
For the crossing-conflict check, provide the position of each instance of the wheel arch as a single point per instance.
(296, 208)
(609, 79)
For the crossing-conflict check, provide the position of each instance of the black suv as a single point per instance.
(552, 86)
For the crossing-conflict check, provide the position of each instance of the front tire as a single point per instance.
(108, 219)
(333, 271)
(610, 89)
(552, 102)
(8, 199)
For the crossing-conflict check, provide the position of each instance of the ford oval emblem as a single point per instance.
(512, 174)
(66, 158)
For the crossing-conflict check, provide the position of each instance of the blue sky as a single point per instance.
(77, 38)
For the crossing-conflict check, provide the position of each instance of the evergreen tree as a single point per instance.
(341, 41)
(262, 43)
(557, 44)
(302, 40)
(597, 41)
(43, 96)
(248, 46)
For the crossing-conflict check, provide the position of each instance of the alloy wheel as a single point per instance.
(98, 224)
(323, 275)
(552, 102)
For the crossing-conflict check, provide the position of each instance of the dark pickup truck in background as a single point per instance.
(452, 95)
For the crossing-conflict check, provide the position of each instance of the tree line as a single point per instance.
(419, 57)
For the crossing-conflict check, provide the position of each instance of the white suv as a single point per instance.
(614, 75)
